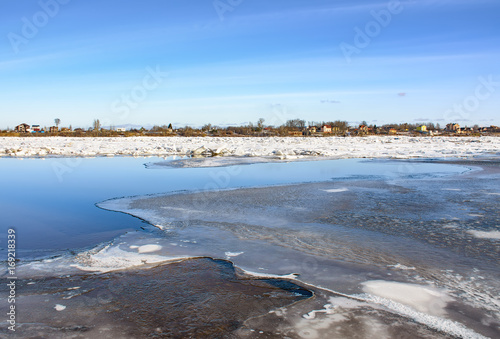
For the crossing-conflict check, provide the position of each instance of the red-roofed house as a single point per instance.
(326, 129)
(23, 128)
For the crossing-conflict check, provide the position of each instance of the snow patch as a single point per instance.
(423, 298)
(398, 266)
(60, 307)
(495, 235)
(114, 258)
(347, 303)
(149, 248)
(329, 309)
(336, 190)
(232, 254)
(453, 328)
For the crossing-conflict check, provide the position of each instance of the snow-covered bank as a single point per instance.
(284, 148)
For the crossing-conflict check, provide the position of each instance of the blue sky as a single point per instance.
(234, 61)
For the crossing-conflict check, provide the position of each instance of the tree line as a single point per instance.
(293, 127)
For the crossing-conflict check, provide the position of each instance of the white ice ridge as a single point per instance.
(424, 304)
(271, 276)
(278, 147)
(383, 296)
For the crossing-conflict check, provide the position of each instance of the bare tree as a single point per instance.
(187, 131)
(295, 123)
(341, 126)
(96, 125)
(260, 123)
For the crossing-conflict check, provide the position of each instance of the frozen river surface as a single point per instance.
(389, 248)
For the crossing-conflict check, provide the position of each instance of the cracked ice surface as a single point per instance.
(277, 147)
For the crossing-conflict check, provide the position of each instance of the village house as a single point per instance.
(326, 129)
(36, 128)
(453, 127)
(422, 128)
(23, 128)
(267, 131)
(493, 129)
(53, 129)
(363, 128)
